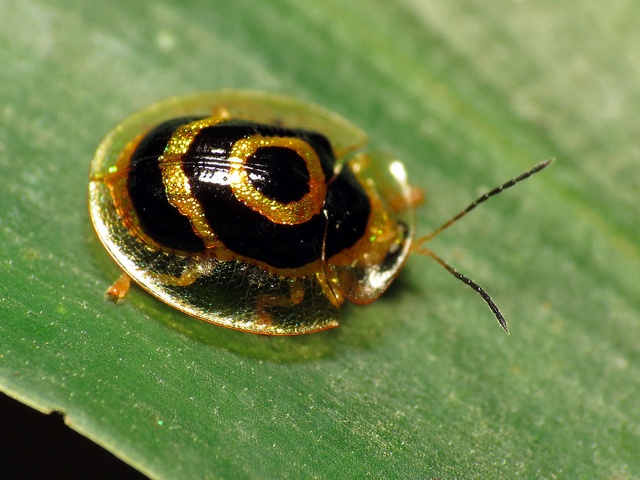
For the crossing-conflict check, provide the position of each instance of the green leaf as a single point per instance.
(420, 384)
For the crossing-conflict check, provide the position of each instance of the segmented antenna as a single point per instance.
(419, 248)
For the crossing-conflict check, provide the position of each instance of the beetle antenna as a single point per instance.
(419, 248)
(484, 198)
(481, 291)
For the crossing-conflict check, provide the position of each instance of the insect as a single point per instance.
(256, 211)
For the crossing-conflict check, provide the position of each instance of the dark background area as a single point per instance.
(35, 445)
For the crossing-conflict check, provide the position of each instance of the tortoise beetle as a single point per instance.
(255, 211)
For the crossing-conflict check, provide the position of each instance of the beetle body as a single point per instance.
(250, 210)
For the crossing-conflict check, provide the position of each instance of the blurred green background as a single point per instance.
(422, 383)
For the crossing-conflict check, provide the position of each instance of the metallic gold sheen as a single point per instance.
(179, 195)
(219, 286)
(283, 213)
(182, 138)
(177, 184)
(367, 268)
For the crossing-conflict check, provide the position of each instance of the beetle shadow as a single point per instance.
(360, 327)
(366, 326)
(284, 349)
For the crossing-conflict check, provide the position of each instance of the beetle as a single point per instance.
(256, 211)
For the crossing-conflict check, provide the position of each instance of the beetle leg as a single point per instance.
(333, 294)
(192, 272)
(119, 289)
(264, 301)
